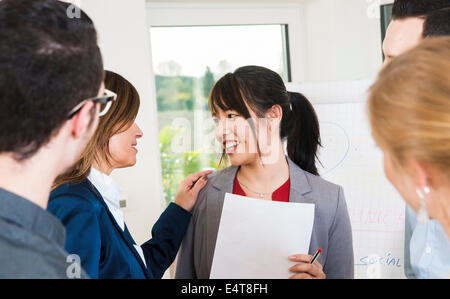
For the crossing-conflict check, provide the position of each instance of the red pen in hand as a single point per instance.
(316, 255)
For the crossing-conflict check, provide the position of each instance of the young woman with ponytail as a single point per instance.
(254, 114)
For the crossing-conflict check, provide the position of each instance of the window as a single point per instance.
(193, 45)
(187, 62)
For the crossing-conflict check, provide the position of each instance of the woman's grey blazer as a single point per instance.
(331, 230)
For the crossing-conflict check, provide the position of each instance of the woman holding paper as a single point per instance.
(254, 114)
(409, 111)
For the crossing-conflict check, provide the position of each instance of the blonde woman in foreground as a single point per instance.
(409, 111)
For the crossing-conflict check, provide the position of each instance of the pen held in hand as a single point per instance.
(193, 184)
(316, 255)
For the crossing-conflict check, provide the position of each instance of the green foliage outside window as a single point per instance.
(179, 96)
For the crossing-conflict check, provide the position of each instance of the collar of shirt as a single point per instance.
(23, 213)
(110, 192)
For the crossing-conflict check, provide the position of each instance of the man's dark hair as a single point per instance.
(416, 8)
(437, 23)
(49, 62)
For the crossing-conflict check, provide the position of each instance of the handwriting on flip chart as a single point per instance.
(349, 157)
(381, 220)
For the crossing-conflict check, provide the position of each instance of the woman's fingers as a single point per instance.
(193, 177)
(304, 258)
(198, 185)
(310, 269)
(189, 189)
(305, 269)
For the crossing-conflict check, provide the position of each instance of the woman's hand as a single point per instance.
(189, 188)
(306, 270)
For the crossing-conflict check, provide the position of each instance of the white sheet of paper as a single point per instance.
(256, 237)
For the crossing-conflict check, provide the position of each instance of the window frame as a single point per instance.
(220, 14)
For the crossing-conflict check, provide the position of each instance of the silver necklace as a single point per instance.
(259, 193)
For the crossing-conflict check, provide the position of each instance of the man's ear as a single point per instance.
(84, 119)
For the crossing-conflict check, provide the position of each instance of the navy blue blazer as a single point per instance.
(105, 250)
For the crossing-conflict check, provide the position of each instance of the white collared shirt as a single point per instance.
(111, 193)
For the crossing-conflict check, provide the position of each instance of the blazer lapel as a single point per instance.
(214, 205)
(138, 257)
(126, 236)
(299, 188)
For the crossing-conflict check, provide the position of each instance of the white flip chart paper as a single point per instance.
(349, 157)
(256, 237)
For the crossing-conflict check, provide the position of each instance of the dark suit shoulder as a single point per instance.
(82, 196)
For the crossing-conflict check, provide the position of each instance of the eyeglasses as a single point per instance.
(105, 102)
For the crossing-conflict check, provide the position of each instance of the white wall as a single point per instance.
(343, 40)
(125, 44)
(338, 39)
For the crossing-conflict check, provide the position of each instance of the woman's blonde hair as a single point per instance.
(120, 117)
(409, 105)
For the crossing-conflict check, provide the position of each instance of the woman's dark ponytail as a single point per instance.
(301, 128)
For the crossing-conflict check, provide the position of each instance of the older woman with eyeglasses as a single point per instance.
(86, 198)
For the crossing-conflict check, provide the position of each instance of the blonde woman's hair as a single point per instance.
(120, 117)
(409, 105)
